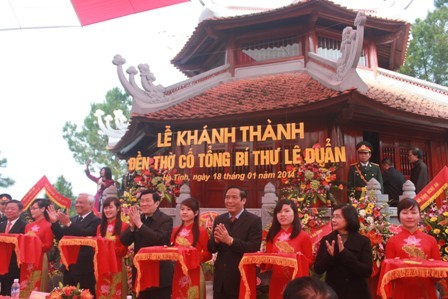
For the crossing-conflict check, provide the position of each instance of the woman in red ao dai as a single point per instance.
(411, 242)
(110, 286)
(286, 236)
(190, 234)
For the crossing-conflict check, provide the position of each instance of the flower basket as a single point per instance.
(69, 292)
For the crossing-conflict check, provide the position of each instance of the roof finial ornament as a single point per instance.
(150, 96)
(351, 47)
(148, 79)
(121, 124)
(341, 74)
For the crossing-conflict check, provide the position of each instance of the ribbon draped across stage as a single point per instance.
(28, 250)
(392, 269)
(104, 249)
(296, 261)
(146, 261)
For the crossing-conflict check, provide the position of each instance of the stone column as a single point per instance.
(374, 190)
(268, 202)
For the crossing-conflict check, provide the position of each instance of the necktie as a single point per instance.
(79, 219)
(8, 227)
(232, 219)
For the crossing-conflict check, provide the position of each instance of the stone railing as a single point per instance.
(269, 199)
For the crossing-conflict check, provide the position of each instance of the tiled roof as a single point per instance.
(401, 99)
(250, 95)
(287, 90)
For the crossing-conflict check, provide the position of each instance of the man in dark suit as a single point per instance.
(419, 171)
(4, 198)
(12, 225)
(150, 227)
(393, 182)
(234, 233)
(83, 225)
(362, 171)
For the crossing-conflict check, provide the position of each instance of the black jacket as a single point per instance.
(155, 231)
(17, 228)
(393, 185)
(246, 231)
(419, 175)
(86, 227)
(347, 271)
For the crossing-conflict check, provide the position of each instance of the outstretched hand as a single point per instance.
(52, 214)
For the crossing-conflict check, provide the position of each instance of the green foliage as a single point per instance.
(87, 143)
(440, 3)
(5, 182)
(427, 58)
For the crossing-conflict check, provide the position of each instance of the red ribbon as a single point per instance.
(147, 263)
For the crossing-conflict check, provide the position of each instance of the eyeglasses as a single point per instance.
(363, 153)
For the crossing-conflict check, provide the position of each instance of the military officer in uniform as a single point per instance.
(362, 171)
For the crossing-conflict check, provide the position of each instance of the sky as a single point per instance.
(51, 76)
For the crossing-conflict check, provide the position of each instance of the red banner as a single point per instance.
(146, 261)
(54, 196)
(392, 269)
(29, 255)
(431, 191)
(297, 261)
(104, 265)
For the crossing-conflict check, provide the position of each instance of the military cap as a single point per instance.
(364, 146)
(5, 197)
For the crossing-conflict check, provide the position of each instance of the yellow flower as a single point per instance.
(370, 205)
(436, 231)
(445, 258)
(355, 205)
(446, 249)
(300, 199)
(445, 214)
(433, 219)
(368, 211)
(446, 231)
(306, 216)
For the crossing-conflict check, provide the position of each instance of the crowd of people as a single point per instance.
(344, 255)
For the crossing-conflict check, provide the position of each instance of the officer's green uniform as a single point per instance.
(357, 180)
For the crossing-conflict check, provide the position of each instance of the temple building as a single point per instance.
(316, 63)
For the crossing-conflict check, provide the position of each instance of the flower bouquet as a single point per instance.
(309, 182)
(375, 226)
(69, 292)
(436, 224)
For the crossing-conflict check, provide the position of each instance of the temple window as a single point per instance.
(330, 48)
(268, 49)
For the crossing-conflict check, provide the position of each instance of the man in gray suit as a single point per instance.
(234, 233)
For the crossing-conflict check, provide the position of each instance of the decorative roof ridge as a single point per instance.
(152, 98)
(370, 12)
(414, 81)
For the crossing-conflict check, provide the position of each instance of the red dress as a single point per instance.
(282, 244)
(416, 245)
(32, 275)
(42, 229)
(185, 238)
(109, 286)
